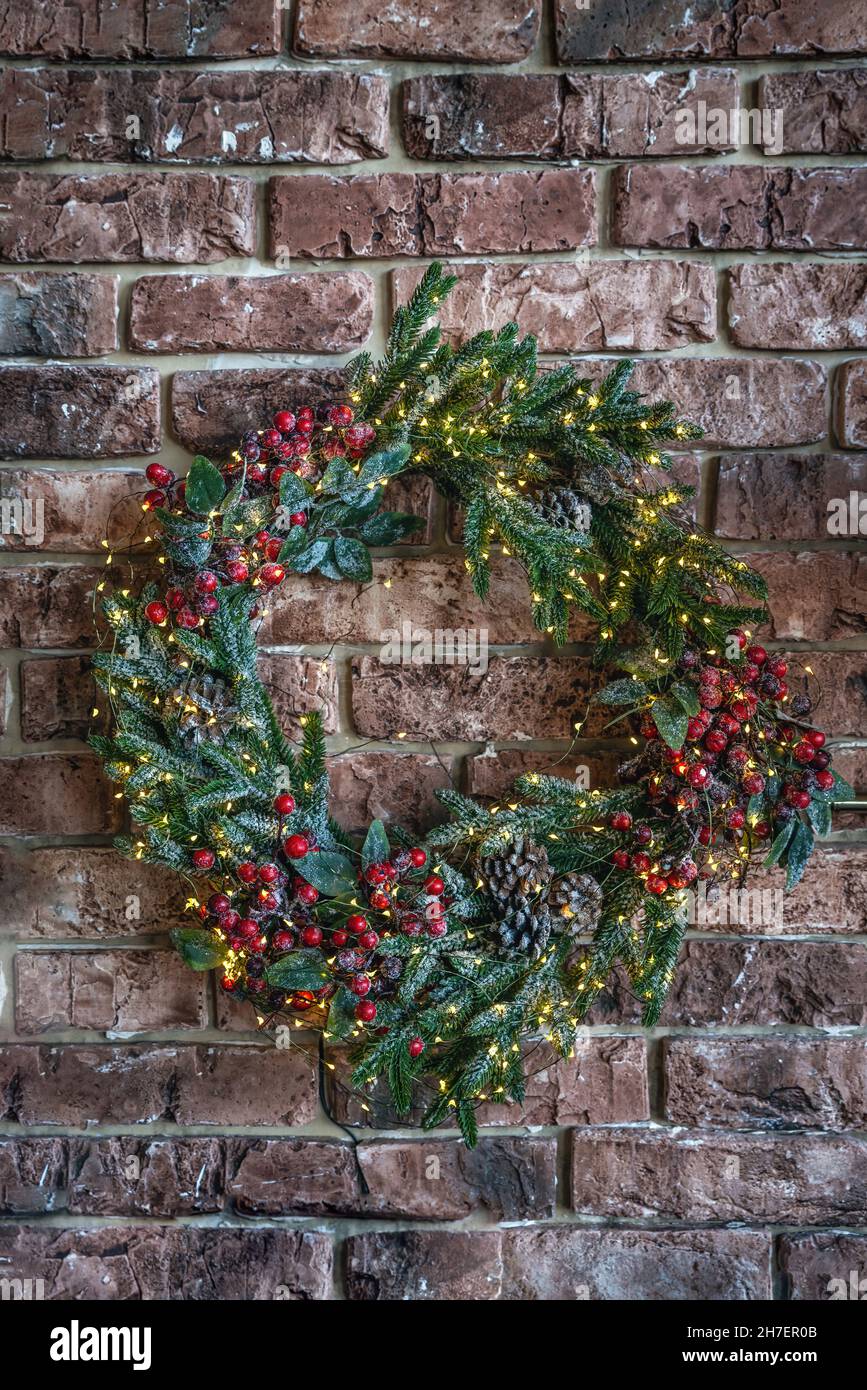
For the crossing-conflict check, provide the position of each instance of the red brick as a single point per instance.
(796, 1083)
(178, 1263)
(828, 899)
(730, 984)
(79, 509)
(568, 116)
(74, 218)
(237, 117)
(683, 29)
(798, 306)
(56, 794)
(53, 411)
(112, 991)
(581, 308)
(298, 685)
(783, 497)
(564, 1263)
(145, 1084)
(432, 214)
(422, 1180)
(852, 405)
(492, 774)
(58, 315)
(729, 207)
(519, 697)
(398, 787)
(825, 1266)
(821, 112)
(85, 892)
(57, 697)
(797, 1179)
(140, 29)
(605, 1083)
(247, 313)
(493, 31)
(424, 1266)
(211, 410)
(134, 1177)
(33, 1175)
(814, 596)
(48, 606)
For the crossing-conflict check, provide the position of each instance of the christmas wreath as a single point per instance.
(438, 962)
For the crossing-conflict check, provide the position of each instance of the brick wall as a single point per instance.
(202, 217)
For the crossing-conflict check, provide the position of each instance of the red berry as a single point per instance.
(436, 929)
(697, 775)
(709, 675)
(434, 885)
(644, 834)
(735, 819)
(411, 925)
(825, 780)
(761, 830)
(269, 873)
(360, 435)
(360, 985)
(304, 423)
(156, 612)
(379, 900)
(641, 862)
(715, 741)
(415, 1047)
(238, 571)
(312, 936)
(418, 857)
(340, 415)
(710, 696)
(218, 904)
(272, 575)
(248, 928)
(267, 901)
(282, 940)
(803, 752)
(159, 475)
(296, 846)
(298, 518)
(740, 709)
(753, 783)
(365, 1012)
(757, 655)
(654, 884)
(816, 737)
(247, 872)
(620, 859)
(208, 605)
(801, 799)
(175, 598)
(339, 937)
(368, 940)
(227, 983)
(741, 636)
(284, 420)
(778, 668)
(204, 858)
(356, 923)
(621, 820)
(375, 873)
(205, 582)
(302, 1001)
(273, 548)
(152, 499)
(229, 920)
(694, 729)
(187, 618)
(307, 893)
(284, 804)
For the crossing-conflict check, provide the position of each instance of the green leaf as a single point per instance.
(376, 848)
(294, 543)
(819, 813)
(298, 970)
(339, 479)
(294, 495)
(687, 697)
(245, 518)
(387, 527)
(383, 465)
(779, 845)
(332, 873)
(197, 948)
(841, 791)
(310, 557)
(799, 850)
(622, 692)
(670, 721)
(205, 487)
(353, 559)
(399, 1076)
(341, 1014)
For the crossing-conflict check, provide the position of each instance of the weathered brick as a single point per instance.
(726, 984)
(430, 593)
(135, 1177)
(851, 405)
(177, 1263)
(581, 308)
(394, 787)
(851, 763)
(57, 696)
(140, 29)
(74, 218)
(48, 607)
(54, 411)
(519, 697)
(745, 206)
(494, 31)
(798, 306)
(604, 1083)
(567, 116)
(4, 689)
(564, 1263)
(56, 794)
(33, 1175)
(211, 410)
(814, 596)
(72, 511)
(784, 497)
(246, 313)
(131, 1085)
(772, 1083)
(176, 116)
(805, 1180)
(432, 214)
(828, 899)
(112, 991)
(423, 1180)
(493, 773)
(45, 315)
(623, 31)
(826, 1266)
(78, 891)
(424, 1266)
(299, 685)
(820, 112)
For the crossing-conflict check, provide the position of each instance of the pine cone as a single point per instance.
(206, 713)
(562, 506)
(518, 882)
(577, 900)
